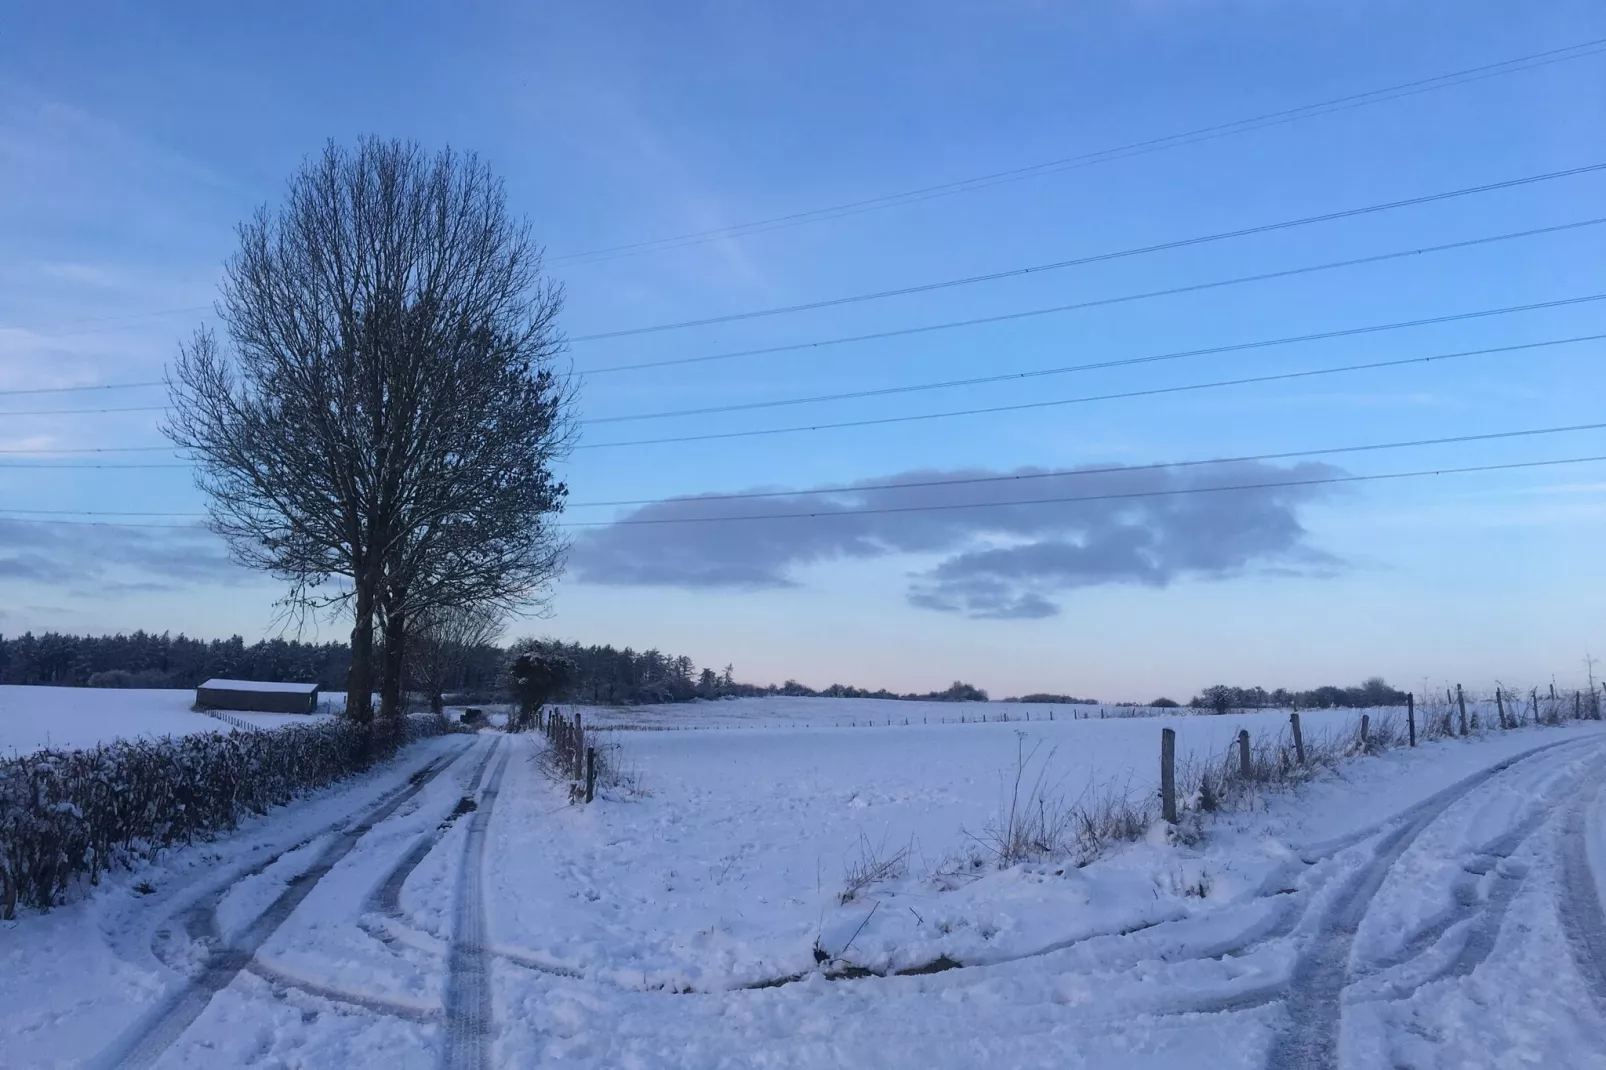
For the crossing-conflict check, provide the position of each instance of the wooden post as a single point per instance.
(1168, 775)
(591, 774)
(1449, 700)
(1461, 700)
(1245, 768)
(1366, 724)
(1410, 716)
(1500, 706)
(1299, 738)
(1536, 705)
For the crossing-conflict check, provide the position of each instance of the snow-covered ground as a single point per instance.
(70, 717)
(800, 712)
(1429, 908)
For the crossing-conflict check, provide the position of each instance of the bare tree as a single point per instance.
(442, 641)
(383, 434)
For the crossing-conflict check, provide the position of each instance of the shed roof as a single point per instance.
(260, 685)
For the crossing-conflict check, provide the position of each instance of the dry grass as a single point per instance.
(871, 866)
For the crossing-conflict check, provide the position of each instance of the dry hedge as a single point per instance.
(66, 815)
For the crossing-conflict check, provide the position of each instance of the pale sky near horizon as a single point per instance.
(133, 138)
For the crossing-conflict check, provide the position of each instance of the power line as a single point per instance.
(76, 389)
(1015, 477)
(94, 512)
(26, 466)
(1072, 472)
(92, 449)
(946, 506)
(105, 319)
(1345, 332)
(103, 524)
(86, 412)
(1149, 392)
(988, 410)
(1101, 365)
(1515, 65)
(1097, 258)
(1006, 317)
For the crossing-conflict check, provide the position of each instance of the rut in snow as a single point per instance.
(156, 1030)
(468, 988)
(1580, 907)
(1316, 991)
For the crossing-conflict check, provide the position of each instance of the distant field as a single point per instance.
(71, 717)
(787, 711)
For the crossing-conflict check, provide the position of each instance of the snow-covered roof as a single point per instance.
(260, 685)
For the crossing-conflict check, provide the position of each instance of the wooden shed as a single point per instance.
(259, 696)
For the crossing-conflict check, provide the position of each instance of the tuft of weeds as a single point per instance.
(872, 866)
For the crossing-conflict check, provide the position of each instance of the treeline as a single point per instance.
(144, 659)
(1373, 692)
(958, 691)
(605, 676)
(1045, 698)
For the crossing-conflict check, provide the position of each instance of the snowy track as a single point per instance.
(1581, 905)
(456, 912)
(468, 989)
(1316, 994)
(163, 1024)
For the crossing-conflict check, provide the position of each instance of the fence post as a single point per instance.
(1500, 706)
(1168, 775)
(1536, 705)
(1410, 716)
(579, 745)
(1299, 738)
(591, 773)
(1366, 724)
(1461, 700)
(1245, 768)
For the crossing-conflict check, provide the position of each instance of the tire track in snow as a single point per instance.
(1582, 918)
(156, 1030)
(1314, 997)
(468, 987)
(384, 899)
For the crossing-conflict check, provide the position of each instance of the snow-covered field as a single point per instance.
(797, 712)
(69, 717)
(1429, 908)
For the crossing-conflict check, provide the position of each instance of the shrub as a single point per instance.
(66, 815)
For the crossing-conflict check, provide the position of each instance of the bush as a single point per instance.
(66, 815)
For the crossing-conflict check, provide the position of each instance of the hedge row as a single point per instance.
(66, 815)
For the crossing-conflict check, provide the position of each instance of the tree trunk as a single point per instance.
(360, 680)
(390, 685)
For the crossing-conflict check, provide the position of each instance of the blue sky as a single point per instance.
(133, 139)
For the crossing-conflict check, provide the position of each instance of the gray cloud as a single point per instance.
(1002, 561)
(110, 559)
(35, 567)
